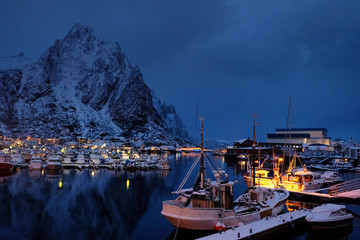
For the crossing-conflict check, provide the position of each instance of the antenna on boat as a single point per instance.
(289, 119)
(202, 165)
(288, 130)
(199, 181)
(253, 149)
(197, 111)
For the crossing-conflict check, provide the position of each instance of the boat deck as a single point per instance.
(258, 227)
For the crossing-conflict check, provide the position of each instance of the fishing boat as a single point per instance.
(263, 176)
(301, 179)
(97, 160)
(141, 163)
(329, 216)
(80, 160)
(163, 165)
(53, 162)
(210, 205)
(331, 177)
(130, 165)
(5, 162)
(35, 163)
(17, 158)
(152, 161)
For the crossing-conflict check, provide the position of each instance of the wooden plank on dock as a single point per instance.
(257, 227)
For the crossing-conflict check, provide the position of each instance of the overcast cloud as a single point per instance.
(236, 57)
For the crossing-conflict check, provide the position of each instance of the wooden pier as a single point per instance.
(258, 227)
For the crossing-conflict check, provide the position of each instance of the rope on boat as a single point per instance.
(177, 226)
(192, 168)
(353, 213)
(275, 186)
(209, 161)
(188, 174)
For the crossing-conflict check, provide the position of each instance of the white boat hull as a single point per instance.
(329, 216)
(207, 218)
(198, 218)
(319, 225)
(35, 166)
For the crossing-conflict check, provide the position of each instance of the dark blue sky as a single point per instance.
(236, 57)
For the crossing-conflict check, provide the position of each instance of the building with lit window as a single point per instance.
(300, 136)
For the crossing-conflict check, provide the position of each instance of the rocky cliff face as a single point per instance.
(82, 86)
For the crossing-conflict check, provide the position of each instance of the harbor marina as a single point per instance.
(103, 201)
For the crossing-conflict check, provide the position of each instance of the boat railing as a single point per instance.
(344, 187)
(174, 203)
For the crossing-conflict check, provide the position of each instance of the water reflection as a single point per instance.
(336, 233)
(4, 176)
(35, 174)
(97, 204)
(76, 205)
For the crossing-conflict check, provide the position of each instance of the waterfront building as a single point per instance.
(299, 135)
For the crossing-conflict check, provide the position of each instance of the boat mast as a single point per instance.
(289, 116)
(253, 149)
(202, 165)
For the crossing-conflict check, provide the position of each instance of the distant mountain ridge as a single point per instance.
(82, 86)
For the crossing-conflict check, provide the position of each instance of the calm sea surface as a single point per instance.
(106, 204)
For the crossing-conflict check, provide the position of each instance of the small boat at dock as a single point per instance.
(163, 165)
(80, 160)
(53, 162)
(329, 216)
(5, 162)
(35, 163)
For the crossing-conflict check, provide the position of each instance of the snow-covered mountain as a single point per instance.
(82, 86)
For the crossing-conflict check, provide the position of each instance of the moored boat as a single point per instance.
(17, 158)
(53, 162)
(263, 177)
(329, 216)
(163, 165)
(331, 177)
(35, 163)
(200, 211)
(130, 165)
(302, 179)
(5, 162)
(209, 205)
(80, 160)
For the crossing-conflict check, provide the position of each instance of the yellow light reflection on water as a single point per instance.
(60, 183)
(92, 173)
(127, 184)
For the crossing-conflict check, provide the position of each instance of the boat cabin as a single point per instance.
(302, 180)
(262, 173)
(218, 195)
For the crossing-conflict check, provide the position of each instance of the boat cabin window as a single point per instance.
(308, 178)
(293, 178)
(261, 174)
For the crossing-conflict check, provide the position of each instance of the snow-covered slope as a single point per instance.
(82, 86)
(15, 62)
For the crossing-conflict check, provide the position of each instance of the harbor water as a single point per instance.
(108, 204)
